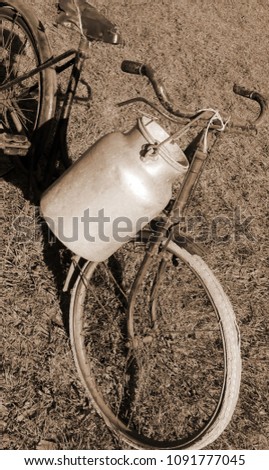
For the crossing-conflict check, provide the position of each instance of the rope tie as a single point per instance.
(216, 117)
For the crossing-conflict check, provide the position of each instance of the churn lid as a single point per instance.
(154, 133)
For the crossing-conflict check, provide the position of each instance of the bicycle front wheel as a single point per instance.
(30, 104)
(156, 347)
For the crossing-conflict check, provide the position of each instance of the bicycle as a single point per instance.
(133, 370)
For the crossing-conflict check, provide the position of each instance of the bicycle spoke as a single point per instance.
(22, 48)
(99, 302)
(16, 120)
(27, 92)
(21, 103)
(18, 115)
(118, 286)
(11, 34)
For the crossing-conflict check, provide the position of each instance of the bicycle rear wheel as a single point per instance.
(28, 105)
(169, 380)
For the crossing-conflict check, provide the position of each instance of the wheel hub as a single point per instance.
(138, 342)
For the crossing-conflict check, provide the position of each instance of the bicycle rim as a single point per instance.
(175, 383)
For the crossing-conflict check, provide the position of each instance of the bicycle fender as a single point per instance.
(187, 242)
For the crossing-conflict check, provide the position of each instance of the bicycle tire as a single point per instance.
(28, 43)
(94, 334)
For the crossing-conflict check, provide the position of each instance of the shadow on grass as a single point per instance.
(58, 260)
(31, 225)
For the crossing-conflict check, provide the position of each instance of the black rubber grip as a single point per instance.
(129, 66)
(240, 90)
(253, 95)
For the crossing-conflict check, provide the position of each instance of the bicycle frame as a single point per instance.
(195, 153)
(38, 69)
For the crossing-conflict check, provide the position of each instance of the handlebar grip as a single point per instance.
(242, 91)
(253, 95)
(138, 68)
(129, 66)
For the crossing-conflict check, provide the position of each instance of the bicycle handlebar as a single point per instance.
(138, 68)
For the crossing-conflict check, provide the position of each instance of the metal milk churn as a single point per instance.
(113, 190)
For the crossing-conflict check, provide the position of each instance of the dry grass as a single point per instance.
(200, 48)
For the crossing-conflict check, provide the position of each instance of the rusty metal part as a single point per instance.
(138, 68)
(12, 144)
(91, 24)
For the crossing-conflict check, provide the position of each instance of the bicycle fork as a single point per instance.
(162, 235)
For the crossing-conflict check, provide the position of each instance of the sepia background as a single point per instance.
(200, 48)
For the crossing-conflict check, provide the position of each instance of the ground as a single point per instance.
(200, 49)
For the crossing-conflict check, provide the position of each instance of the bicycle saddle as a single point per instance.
(92, 24)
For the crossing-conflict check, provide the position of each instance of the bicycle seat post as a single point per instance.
(59, 144)
(81, 55)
